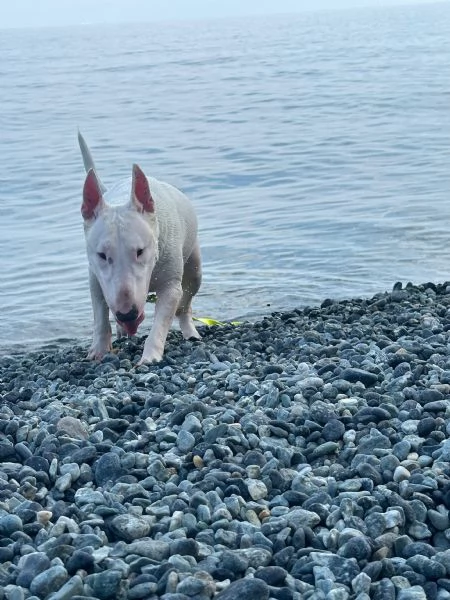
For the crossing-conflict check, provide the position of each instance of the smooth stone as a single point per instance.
(72, 468)
(248, 588)
(233, 562)
(6, 554)
(80, 559)
(415, 592)
(428, 567)
(384, 590)
(108, 469)
(63, 483)
(374, 441)
(299, 517)
(13, 592)
(361, 584)
(272, 575)
(72, 587)
(89, 496)
(142, 590)
(353, 375)
(157, 550)
(401, 474)
(30, 566)
(356, 547)
(48, 581)
(401, 449)
(257, 489)
(130, 527)
(105, 584)
(333, 430)
(185, 547)
(192, 585)
(344, 569)
(9, 524)
(74, 427)
(439, 520)
(185, 441)
(192, 424)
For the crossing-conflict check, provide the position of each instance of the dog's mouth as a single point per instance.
(131, 326)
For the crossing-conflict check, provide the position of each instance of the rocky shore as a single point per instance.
(305, 456)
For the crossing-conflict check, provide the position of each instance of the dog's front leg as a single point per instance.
(166, 305)
(101, 343)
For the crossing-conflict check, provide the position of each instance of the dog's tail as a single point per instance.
(87, 159)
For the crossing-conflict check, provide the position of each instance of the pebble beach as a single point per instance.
(304, 456)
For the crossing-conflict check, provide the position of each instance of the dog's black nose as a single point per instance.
(131, 315)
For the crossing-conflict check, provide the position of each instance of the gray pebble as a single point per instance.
(333, 430)
(72, 587)
(30, 566)
(415, 592)
(10, 524)
(105, 584)
(185, 441)
(48, 581)
(250, 589)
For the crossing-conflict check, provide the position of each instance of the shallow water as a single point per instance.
(315, 148)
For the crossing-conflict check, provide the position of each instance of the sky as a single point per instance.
(42, 13)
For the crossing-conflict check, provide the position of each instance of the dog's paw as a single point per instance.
(187, 327)
(98, 350)
(94, 354)
(153, 351)
(149, 359)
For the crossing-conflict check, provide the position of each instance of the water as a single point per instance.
(315, 147)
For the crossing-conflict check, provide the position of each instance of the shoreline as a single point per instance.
(301, 456)
(58, 344)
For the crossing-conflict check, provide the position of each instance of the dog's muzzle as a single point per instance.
(130, 321)
(131, 315)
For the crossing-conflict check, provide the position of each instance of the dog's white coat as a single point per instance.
(141, 236)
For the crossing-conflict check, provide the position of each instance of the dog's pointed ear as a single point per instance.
(141, 197)
(92, 197)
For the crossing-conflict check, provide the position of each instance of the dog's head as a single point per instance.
(122, 246)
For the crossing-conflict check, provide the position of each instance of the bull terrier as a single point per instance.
(141, 236)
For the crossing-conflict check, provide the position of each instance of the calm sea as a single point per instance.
(315, 147)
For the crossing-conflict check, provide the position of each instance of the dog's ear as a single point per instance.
(92, 197)
(141, 196)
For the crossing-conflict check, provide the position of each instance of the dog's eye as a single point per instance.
(139, 252)
(102, 255)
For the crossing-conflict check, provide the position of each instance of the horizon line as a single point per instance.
(227, 17)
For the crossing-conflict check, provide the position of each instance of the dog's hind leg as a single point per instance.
(192, 278)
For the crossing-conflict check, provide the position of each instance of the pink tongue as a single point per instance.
(132, 326)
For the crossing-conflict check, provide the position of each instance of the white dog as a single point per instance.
(141, 236)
